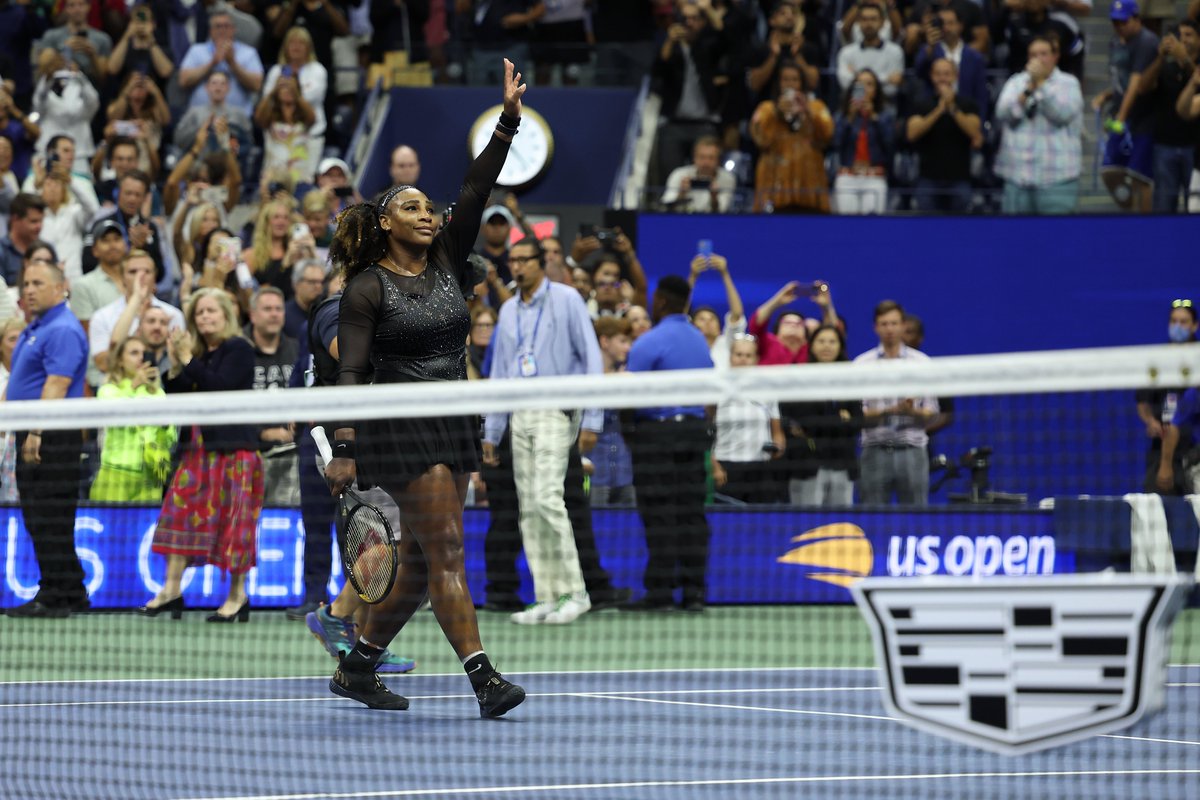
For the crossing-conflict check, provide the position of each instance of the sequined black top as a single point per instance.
(402, 328)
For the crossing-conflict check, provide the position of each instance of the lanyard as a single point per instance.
(536, 324)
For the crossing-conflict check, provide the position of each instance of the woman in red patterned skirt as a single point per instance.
(210, 513)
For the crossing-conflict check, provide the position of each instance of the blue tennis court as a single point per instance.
(612, 734)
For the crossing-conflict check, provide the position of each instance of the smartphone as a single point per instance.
(343, 191)
(231, 248)
(586, 229)
(299, 230)
(704, 248)
(244, 278)
(149, 358)
(701, 183)
(125, 127)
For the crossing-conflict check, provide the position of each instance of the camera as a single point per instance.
(142, 14)
(977, 461)
(607, 237)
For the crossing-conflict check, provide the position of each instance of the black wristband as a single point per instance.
(343, 448)
(509, 122)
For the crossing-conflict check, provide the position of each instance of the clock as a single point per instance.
(531, 150)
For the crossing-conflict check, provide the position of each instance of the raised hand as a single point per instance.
(513, 89)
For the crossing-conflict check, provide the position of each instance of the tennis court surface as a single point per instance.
(740, 702)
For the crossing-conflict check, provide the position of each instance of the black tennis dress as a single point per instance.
(398, 329)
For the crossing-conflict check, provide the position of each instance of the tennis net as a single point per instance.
(720, 656)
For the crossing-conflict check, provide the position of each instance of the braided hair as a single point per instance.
(359, 240)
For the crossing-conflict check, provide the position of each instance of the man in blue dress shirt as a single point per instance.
(668, 446)
(544, 330)
(48, 363)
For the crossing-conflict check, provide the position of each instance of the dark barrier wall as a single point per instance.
(982, 285)
(588, 126)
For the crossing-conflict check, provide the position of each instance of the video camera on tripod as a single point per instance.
(977, 461)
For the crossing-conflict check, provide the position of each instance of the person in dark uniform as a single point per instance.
(668, 446)
(404, 319)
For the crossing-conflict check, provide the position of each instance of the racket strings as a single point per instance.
(368, 552)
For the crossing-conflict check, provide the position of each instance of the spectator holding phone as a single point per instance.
(85, 47)
(704, 186)
(748, 436)
(298, 59)
(66, 102)
(287, 121)
(136, 460)
(238, 61)
(277, 246)
(138, 52)
(788, 344)
(864, 142)
(791, 131)
(140, 114)
(705, 318)
(219, 253)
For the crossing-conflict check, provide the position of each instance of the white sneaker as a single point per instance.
(570, 608)
(533, 614)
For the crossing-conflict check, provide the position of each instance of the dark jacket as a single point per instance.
(229, 367)
(708, 54)
(820, 435)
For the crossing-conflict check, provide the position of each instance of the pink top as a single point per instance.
(770, 349)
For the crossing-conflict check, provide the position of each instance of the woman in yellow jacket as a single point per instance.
(136, 460)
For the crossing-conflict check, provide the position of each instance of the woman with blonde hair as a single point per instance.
(65, 222)
(274, 250)
(141, 113)
(10, 331)
(298, 59)
(136, 459)
(190, 226)
(287, 122)
(211, 510)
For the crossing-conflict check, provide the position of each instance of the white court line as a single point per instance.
(562, 787)
(250, 700)
(1148, 739)
(619, 696)
(410, 676)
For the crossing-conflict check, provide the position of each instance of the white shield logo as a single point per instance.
(1015, 665)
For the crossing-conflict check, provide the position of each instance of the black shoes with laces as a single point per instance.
(497, 696)
(366, 688)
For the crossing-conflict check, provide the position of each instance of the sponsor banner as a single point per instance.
(754, 556)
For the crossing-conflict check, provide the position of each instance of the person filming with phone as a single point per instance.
(704, 186)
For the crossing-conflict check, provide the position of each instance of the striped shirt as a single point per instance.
(1042, 143)
(896, 429)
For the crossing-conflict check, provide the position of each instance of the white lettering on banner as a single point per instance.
(10, 565)
(966, 555)
(91, 556)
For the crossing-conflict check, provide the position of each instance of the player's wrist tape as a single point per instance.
(343, 448)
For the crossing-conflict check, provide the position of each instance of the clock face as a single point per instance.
(531, 150)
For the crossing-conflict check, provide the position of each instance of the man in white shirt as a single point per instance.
(112, 323)
(703, 186)
(894, 458)
(221, 53)
(885, 59)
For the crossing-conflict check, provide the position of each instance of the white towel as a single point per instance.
(1151, 538)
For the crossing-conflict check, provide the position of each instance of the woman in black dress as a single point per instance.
(403, 318)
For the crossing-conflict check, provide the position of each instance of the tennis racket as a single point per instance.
(365, 539)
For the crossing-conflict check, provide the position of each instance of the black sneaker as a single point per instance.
(497, 696)
(366, 688)
(301, 611)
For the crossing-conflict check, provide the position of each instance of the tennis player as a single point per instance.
(403, 319)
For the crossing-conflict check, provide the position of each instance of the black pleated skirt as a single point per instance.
(393, 452)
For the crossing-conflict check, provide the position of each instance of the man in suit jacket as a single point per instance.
(943, 36)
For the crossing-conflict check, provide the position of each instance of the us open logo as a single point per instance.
(839, 554)
(1016, 665)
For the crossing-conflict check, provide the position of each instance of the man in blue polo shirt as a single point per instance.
(48, 364)
(668, 446)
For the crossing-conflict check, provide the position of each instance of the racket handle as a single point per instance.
(323, 447)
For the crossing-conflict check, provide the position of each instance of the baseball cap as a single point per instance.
(104, 226)
(1123, 9)
(329, 163)
(492, 213)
